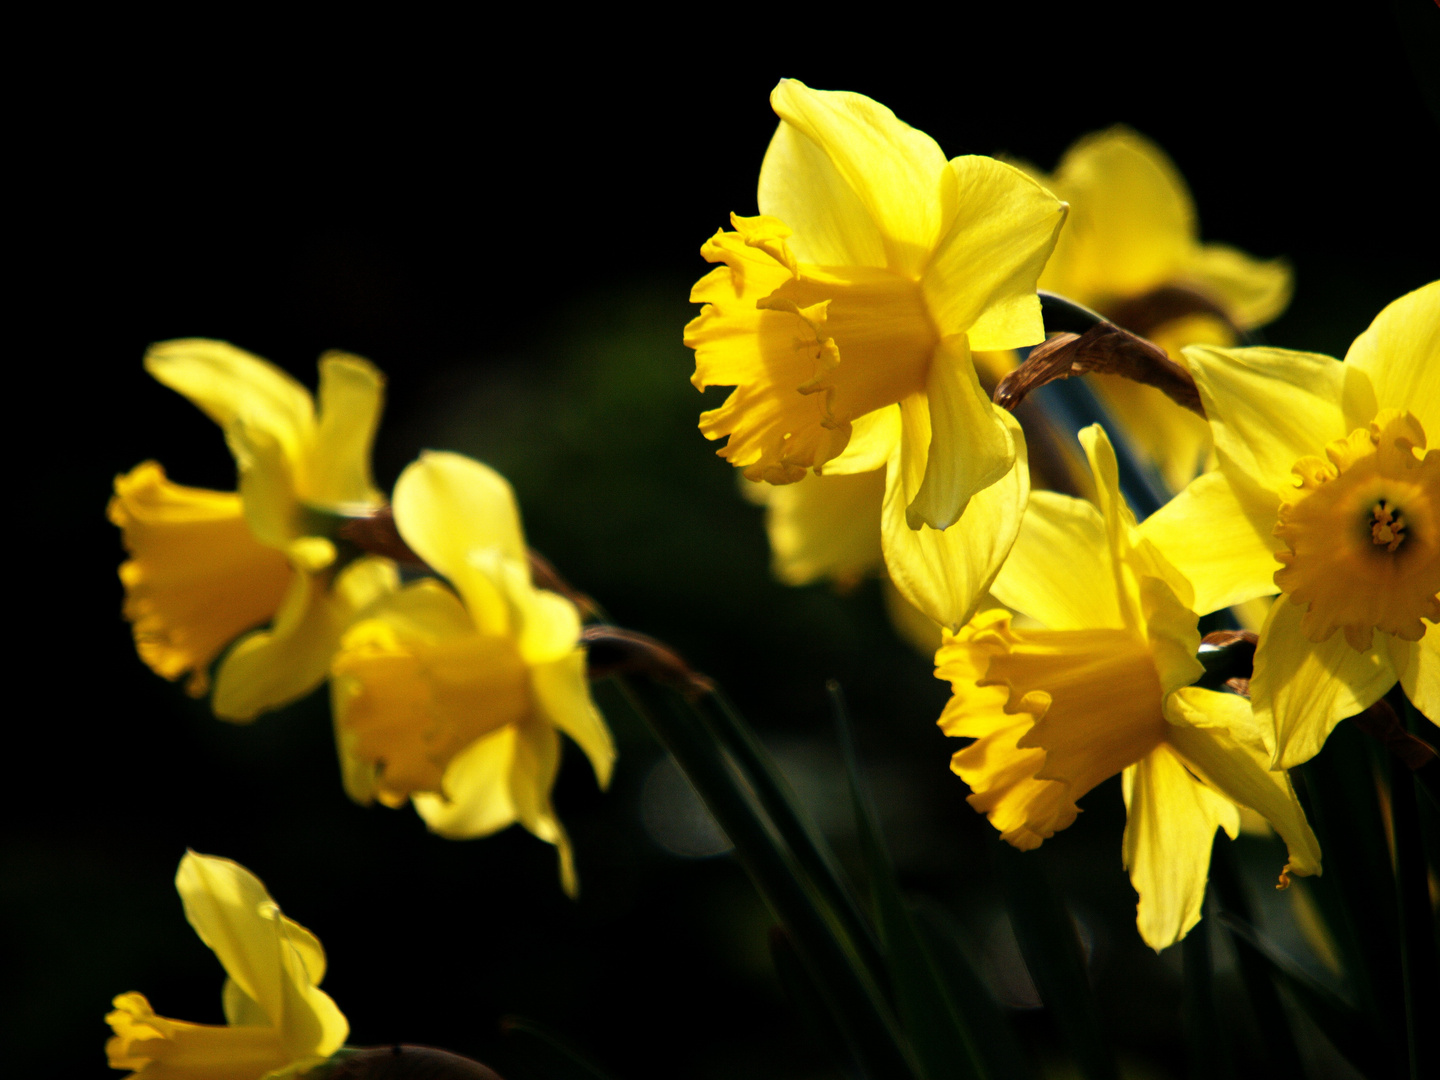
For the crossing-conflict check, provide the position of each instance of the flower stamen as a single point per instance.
(1388, 528)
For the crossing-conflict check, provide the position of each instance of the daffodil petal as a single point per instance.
(1301, 689)
(1270, 407)
(1418, 663)
(1132, 224)
(970, 446)
(1401, 353)
(234, 915)
(447, 505)
(230, 384)
(269, 668)
(1057, 572)
(872, 438)
(550, 628)
(476, 800)
(893, 169)
(1210, 740)
(1252, 291)
(1169, 831)
(563, 691)
(1218, 540)
(824, 526)
(981, 279)
(267, 482)
(337, 470)
(802, 187)
(945, 574)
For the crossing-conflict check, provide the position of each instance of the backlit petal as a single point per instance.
(562, 690)
(1169, 831)
(1301, 689)
(1132, 223)
(337, 469)
(446, 505)
(893, 169)
(981, 279)
(801, 186)
(1059, 571)
(1269, 407)
(872, 438)
(1211, 740)
(945, 574)
(1218, 540)
(230, 384)
(1401, 353)
(1418, 663)
(970, 446)
(1251, 291)
(824, 526)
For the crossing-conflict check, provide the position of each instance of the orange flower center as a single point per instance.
(1362, 528)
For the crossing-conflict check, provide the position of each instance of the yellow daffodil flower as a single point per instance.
(845, 314)
(1131, 237)
(1327, 494)
(278, 1022)
(207, 566)
(455, 700)
(1103, 686)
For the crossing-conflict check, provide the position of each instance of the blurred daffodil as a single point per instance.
(207, 566)
(1103, 686)
(278, 1022)
(1326, 493)
(845, 314)
(455, 700)
(1131, 250)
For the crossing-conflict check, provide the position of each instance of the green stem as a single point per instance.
(851, 993)
(1419, 969)
(1270, 1018)
(809, 849)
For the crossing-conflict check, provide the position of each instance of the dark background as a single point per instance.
(507, 220)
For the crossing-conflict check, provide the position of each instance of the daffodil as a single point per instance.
(1326, 493)
(207, 566)
(845, 314)
(1103, 685)
(1131, 250)
(279, 1023)
(455, 700)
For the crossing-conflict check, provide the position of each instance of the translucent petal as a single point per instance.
(970, 446)
(1132, 223)
(824, 526)
(872, 438)
(981, 279)
(1419, 665)
(893, 169)
(1269, 407)
(1401, 353)
(1301, 689)
(337, 470)
(1059, 571)
(945, 574)
(1169, 830)
(268, 482)
(1218, 540)
(562, 689)
(1251, 291)
(801, 186)
(1210, 738)
(447, 505)
(476, 799)
(230, 384)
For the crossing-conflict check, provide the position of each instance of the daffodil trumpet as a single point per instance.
(264, 564)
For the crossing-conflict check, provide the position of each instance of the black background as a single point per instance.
(505, 215)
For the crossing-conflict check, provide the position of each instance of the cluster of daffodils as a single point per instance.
(859, 318)
(850, 316)
(449, 692)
